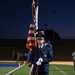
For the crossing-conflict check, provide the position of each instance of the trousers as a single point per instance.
(44, 73)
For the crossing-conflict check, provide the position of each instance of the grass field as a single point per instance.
(24, 70)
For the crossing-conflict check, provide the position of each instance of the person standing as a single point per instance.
(41, 56)
(73, 55)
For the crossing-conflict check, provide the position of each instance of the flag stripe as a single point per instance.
(31, 32)
(30, 35)
(31, 28)
(30, 42)
(30, 38)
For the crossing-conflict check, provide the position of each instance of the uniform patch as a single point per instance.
(45, 54)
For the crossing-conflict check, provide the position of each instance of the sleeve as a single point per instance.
(50, 56)
(29, 60)
(32, 57)
(47, 43)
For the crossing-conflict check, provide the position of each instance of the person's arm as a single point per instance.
(50, 54)
(29, 60)
(32, 57)
(49, 57)
(29, 57)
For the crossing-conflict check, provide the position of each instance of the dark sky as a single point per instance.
(15, 17)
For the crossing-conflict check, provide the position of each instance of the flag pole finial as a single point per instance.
(33, 2)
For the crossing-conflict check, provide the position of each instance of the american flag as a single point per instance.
(33, 26)
(36, 17)
(31, 39)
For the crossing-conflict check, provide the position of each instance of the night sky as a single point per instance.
(15, 17)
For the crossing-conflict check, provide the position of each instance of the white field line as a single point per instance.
(14, 70)
(60, 70)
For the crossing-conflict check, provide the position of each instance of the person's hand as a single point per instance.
(29, 64)
(38, 63)
(40, 60)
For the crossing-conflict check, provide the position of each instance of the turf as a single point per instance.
(53, 70)
(4, 70)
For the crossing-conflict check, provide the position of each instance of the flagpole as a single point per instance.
(37, 7)
(36, 13)
(33, 8)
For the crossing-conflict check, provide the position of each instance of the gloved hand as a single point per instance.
(38, 63)
(40, 59)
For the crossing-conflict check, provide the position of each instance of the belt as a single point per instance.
(44, 62)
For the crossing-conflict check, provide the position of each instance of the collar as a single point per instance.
(40, 46)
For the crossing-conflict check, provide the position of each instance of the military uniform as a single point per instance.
(46, 54)
(47, 43)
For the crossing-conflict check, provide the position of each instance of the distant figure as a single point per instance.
(25, 56)
(18, 56)
(21, 55)
(73, 55)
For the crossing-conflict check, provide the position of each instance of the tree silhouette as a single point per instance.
(51, 35)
